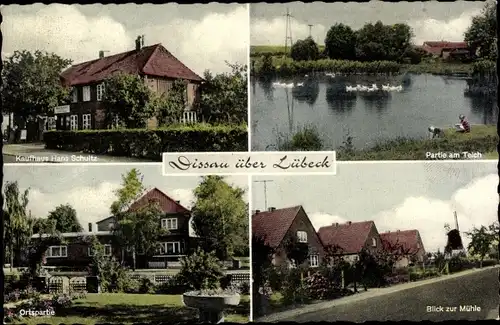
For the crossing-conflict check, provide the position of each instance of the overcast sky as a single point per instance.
(201, 36)
(90, 189)
(396, 196)
(431, 20)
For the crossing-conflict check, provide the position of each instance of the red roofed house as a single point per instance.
(351, 238)
(446, 49)
(155, 64)
(406, 242)
(275, 226)
(176, 218)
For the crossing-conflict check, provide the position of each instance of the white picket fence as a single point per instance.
(189, 117)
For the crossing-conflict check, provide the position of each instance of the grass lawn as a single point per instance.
(133, 308)
(482, 139)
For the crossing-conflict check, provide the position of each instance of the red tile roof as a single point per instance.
(351, 237)
(154, 60)
(272, 226)
(408, 239)
(438, 47)
(167, 204)
(442, 44)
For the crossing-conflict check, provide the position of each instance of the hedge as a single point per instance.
(150, 143)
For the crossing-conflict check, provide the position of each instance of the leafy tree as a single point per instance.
(296, 252)
(481, 242)
(64, 217)
(397, 41)
(126, 97)
(112, 275)
(31, 84)
(201, 270)
(481, 36)
(225, 96)
(169, 107)
(17, 222)
(333, 255)
(304, 50)
(370, 42)
(137, 227)
(262, 257)
(340, 42)
(267, 68)
(44, 226)
(377, 42)
(220, 217)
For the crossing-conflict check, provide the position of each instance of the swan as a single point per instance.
(350, 88)
(300, 84)
(386, 87)
(374, 87)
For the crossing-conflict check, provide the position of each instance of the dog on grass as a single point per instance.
(436, 132)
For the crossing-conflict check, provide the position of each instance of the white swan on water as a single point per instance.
(373, 88)
(287, 85)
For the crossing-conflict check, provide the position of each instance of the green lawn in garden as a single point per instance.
(133, 308)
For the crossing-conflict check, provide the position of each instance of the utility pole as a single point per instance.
(288, 31)
(310, 28)
(265, 190)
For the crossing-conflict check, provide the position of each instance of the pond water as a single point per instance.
(322, 101)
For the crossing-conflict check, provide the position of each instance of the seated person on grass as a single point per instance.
(463, 126)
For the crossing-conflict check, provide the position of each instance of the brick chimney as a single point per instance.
(257, 211)
(349, 223)
(271, 209)
(101, 54)
(336, 224)
(90, 226)
(138, 43)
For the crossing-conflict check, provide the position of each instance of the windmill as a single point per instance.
(454, 245)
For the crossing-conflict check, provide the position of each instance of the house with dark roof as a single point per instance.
(154, 64)
(76, 250)
(406, 243)
(446, 50)
(351, 238)
(277, 226)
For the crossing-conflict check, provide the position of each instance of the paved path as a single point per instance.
(36, 153)
(409, 301)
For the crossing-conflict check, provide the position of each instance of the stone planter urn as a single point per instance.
(210, 306)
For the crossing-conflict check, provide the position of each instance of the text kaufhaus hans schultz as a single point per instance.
(249, 163)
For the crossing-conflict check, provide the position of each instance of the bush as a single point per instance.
(174, 286)
(275, 276)
(146, 286)
(225, 281)
(201, 270)
(306, 139)
(244, 288)
(318, 286)
(490, 262)
(150, 144)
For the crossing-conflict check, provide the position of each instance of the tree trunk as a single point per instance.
(11, 259)
(133, 259)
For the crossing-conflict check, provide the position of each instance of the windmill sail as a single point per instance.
(454, 243)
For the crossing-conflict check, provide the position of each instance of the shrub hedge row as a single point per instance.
(410, 149)
(150, 144)
(284, 67)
